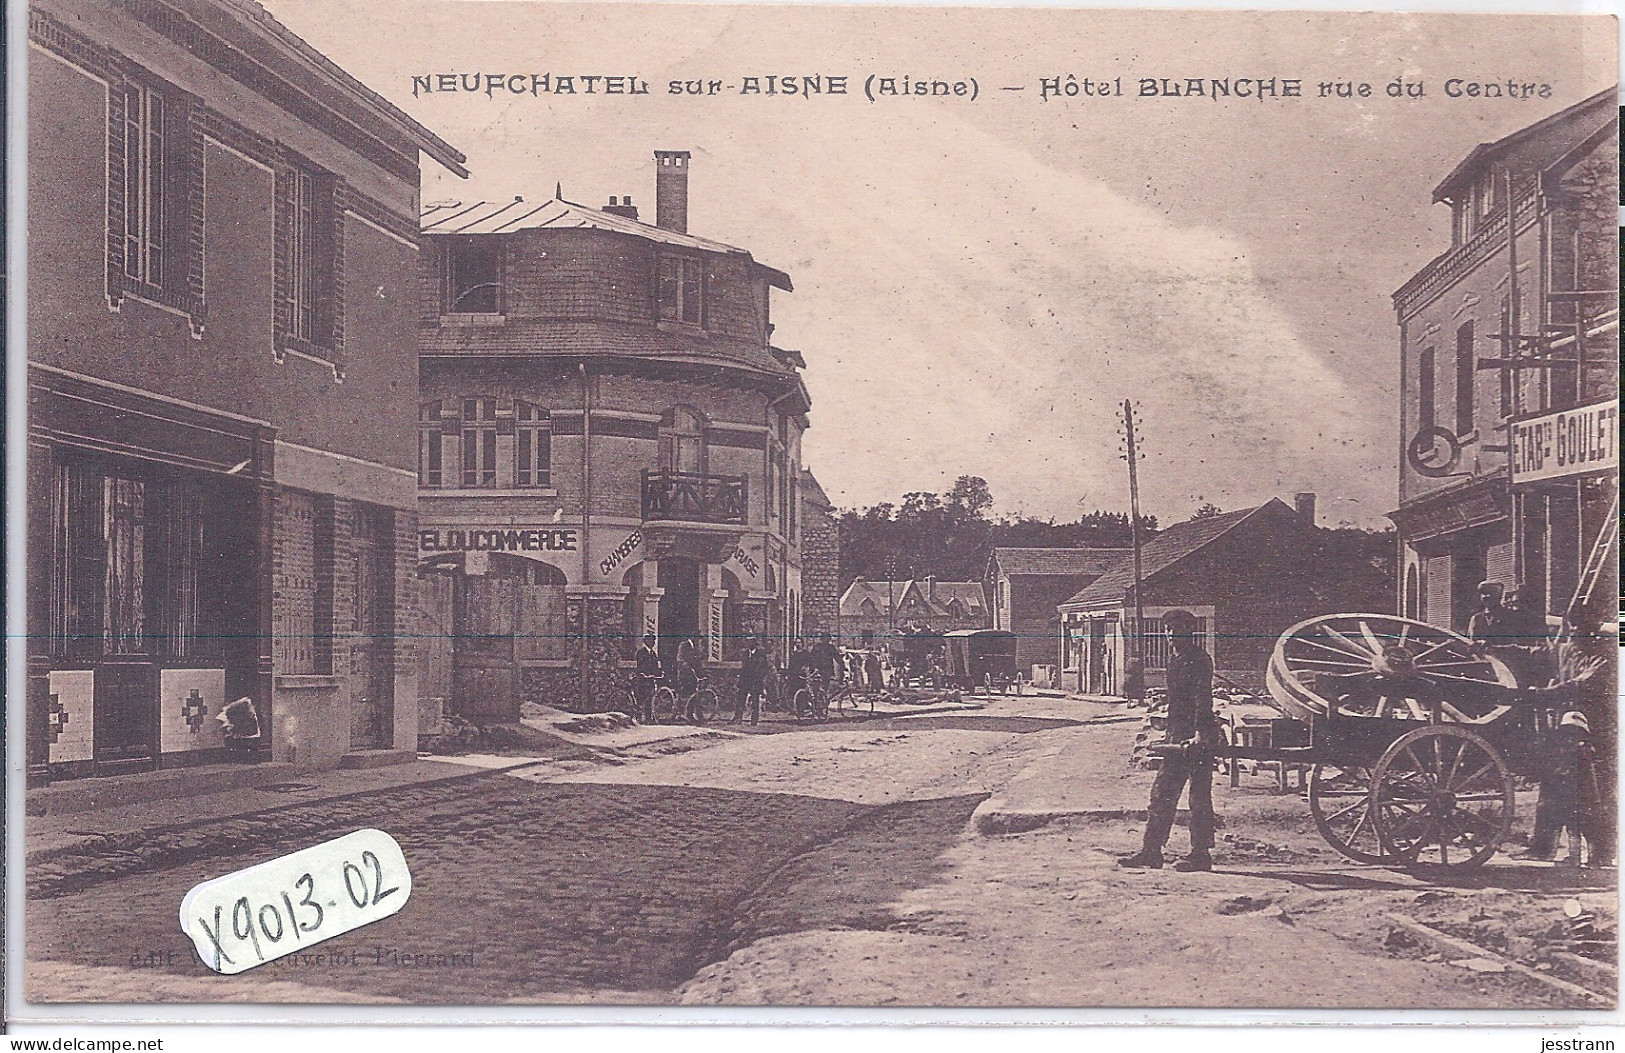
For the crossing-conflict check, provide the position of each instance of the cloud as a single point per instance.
(992, 326)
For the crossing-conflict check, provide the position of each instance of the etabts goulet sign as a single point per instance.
(1566, 442)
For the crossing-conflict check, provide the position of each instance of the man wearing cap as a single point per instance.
(648, 673)
(1190, 720)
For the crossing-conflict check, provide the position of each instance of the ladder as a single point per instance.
(1607, 544)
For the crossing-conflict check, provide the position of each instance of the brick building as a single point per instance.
(1511, 343)
(874, 611)
(1247, 575)
(1026, 585)
(222, 380)
(821, 561)
(609, 443)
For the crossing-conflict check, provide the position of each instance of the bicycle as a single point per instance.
(809, 701)
(848, 703)
(702, 705)
(664, 702)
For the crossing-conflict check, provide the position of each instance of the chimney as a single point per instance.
(1305, 504)
(671, 190)
(622, 207)
(931, 587)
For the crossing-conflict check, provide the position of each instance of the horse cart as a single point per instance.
(983, 659)
(1413, 737)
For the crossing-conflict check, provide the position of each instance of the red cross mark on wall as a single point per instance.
(194, 710)
(57, 718)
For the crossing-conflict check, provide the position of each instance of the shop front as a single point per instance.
(148, 578)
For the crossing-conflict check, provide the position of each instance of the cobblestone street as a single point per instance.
(869, 863)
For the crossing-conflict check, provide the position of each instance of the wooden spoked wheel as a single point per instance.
(1380, 665)
(1442, 800)
(1340, 801)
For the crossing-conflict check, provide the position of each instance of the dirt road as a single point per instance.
(841, 864)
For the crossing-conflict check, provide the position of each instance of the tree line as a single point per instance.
(950, 536)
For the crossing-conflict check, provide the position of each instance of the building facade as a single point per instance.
(821, 561)
(1247, 576)
(1509, 345)
(873, 612)
(608, 444)
(221, 379)
(1025, 586)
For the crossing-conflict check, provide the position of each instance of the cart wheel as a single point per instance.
(1340, 801)
(1442, 800)
(1329, 659)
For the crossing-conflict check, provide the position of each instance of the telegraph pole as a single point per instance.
(1134, 525)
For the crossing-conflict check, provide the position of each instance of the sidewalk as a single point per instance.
(51, 836)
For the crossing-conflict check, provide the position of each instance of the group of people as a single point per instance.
(1567, 682)
(811, 663)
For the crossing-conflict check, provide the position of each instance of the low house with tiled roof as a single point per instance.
(1247, 575)
(873, 612)
(609, 444)
(1025, 585)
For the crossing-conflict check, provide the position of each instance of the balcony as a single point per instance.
(694, 497)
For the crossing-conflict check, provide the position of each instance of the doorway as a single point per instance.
(372, 652)
(680, 605)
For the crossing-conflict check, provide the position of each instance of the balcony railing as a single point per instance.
(694, 497)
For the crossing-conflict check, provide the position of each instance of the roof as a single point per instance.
(891, 595)
(1057, 562)
(813, 492)
(1167, 548)
(1605, 102)
(555, 213)
(258, 19)
(569, 338)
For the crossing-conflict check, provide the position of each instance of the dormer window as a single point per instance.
(471, 276)
(681, 290)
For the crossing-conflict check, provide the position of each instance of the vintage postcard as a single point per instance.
(818, 506)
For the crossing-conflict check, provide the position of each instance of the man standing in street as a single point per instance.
(753, 670)
(1190, 721)
(826, 660)
(647, 676)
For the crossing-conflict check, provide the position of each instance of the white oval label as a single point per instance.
(275, 908)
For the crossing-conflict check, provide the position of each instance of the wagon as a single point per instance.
(982, 658)
(1413, 735)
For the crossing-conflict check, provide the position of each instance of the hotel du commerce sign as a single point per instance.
(1564, 443)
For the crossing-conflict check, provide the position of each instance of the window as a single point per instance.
(126, 565)
(144, 184)
(681, 292)
(533, 446)
(1424, 383)
(1465, 367)
(431, 445)
(306, 262)
(479, 442)
(1154, 640)
(302, 259)
(471, 276)
(682, 441)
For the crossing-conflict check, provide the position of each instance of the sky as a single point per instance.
(980, 284)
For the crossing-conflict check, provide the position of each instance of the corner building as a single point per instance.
(222, 377)
(1509, 348)
(608, 444)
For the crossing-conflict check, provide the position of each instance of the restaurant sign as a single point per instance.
(1575, 441)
